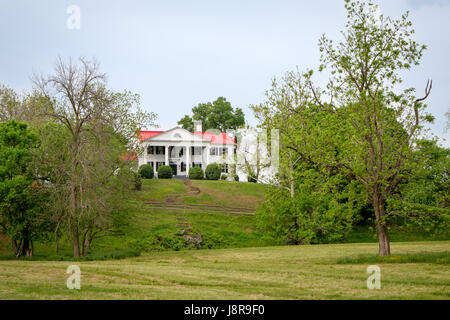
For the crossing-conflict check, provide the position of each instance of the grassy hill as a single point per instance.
(167, 211)
(153, 228)
(247, 266)
(283, 272)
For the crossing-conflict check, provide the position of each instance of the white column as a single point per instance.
(188, 159)
(207, 155)
(167, 155)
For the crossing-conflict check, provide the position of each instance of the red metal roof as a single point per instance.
(148, 134)
(129, 156)
(221, 138)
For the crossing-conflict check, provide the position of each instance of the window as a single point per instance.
(196, 151)
(183, 167)
(225, 168)
(215, 151)
(180, 154)
(150, 150)
(196, 164)
(159, 163)
(160, 150)
(172, 152)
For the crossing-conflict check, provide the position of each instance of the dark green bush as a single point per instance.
(196, 173)
(165, 172)
(213, 171)
(224, 177)
(137, 181)
(236, 177)
(251, 179)
(100, 255)
(146, 171)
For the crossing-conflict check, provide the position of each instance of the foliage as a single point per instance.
(224, 177)
(137, 181)
(146, 171)
(423, 201)
(97, 128)
(187, 123)
(213, 171)
(322, 209)
(20, 198)
(165, 172)
(219, 115)
(366, 131)
(196, 173)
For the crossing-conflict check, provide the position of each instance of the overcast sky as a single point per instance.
(177, 54)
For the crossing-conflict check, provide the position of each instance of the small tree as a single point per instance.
(213, 171)
(165, 172)
(146, 171)
(196, 173)
(18, 201)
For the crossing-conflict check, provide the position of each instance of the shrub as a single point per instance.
(146, 171)
(236, 177)
(251, 179)
(165, 172)
(224, 177)
(137, 181)
(213, 171)
(196, 173)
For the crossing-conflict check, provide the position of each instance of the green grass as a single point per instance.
(247, 267)
(420, 257)
(217, 229)
(283, 272)
(158, 190)
(228, 193)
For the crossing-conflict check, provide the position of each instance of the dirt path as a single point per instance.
(173, 201)
(193, 191)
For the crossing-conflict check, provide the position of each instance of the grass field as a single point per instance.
(294, 272)
(218, 230)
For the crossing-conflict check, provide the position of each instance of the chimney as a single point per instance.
(198, 125)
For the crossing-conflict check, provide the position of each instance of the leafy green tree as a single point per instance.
(19, 210)
(318, 212)
(187, 123)
(367, 128)
(218, 115)
(422, 202)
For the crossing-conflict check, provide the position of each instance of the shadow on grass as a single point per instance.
(421, 257)
(101, 255)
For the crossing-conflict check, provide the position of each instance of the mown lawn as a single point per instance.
(219, 229)
(285, 272)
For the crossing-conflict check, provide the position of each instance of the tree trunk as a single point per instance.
(76, 242)
(383, 233)
(86, 246)
(25, 248)
(15, 247)
(56, 244)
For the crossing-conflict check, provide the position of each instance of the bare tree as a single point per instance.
(92, 115)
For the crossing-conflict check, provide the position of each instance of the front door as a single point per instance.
(174, 169)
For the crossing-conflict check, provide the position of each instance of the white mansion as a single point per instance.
(182, 149)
